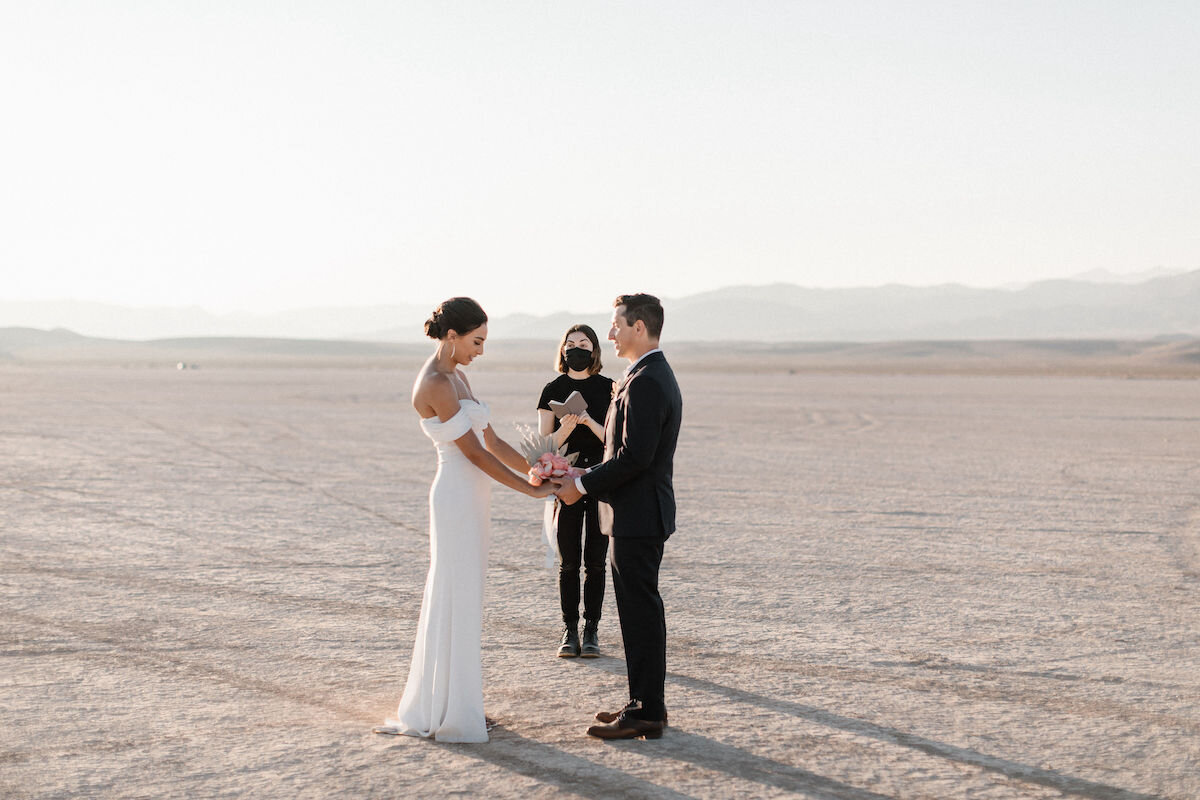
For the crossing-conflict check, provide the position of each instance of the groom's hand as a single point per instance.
(566, 490)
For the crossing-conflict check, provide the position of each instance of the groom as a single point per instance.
(635, 481)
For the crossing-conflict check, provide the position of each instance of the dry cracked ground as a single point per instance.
(924, 586)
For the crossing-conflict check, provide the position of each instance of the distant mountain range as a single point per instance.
(1160, 357)
(1100, 307)
(124, 322)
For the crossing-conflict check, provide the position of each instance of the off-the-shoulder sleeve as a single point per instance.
(449, 430)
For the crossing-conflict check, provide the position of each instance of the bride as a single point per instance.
(443, 698)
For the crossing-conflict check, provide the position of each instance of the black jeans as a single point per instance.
(580, 542)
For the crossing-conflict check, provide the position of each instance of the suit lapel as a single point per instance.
(610, 430)
(616, 409)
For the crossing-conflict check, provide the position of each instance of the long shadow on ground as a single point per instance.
(1010, 769)
(588, 779)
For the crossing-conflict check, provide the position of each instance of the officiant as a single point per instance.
(573, 407)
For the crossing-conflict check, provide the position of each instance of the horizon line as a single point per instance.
(1014, 286)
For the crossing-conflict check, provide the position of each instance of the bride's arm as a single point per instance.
(504, 451)
(444, 400)
(498, 468)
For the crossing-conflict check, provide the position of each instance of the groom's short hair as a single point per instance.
(644, 307)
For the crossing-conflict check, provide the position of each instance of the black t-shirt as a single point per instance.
(597, 393)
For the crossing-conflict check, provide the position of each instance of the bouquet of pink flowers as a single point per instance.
(545, 460)
(551, 465)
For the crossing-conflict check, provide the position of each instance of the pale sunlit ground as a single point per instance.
(882, 586)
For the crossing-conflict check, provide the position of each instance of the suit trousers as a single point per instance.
(635, 565)
(580, 541)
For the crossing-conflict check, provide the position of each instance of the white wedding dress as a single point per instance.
(443, 698)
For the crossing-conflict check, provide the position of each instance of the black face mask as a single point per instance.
(578, 359)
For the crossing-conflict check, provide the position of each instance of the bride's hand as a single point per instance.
(544, 489)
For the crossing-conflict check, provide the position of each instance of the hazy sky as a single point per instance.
(545, 156)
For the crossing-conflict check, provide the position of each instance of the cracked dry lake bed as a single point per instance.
(903, 586)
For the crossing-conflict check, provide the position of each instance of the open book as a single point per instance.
(574, 404)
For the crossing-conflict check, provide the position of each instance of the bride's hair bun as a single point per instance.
(458, 314)
(433, 326)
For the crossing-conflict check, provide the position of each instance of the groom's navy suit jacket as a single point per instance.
(640, 434)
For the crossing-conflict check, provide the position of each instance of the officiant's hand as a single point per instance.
(566, 490)
(568, 423)
(585, 419)
(595, 426)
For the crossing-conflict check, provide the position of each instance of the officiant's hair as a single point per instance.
(459, 314)
(645, 307)
(560, 362)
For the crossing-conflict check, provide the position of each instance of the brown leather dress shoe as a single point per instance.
(612, 716)
(627, 727)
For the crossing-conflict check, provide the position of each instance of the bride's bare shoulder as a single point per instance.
(432, 391)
